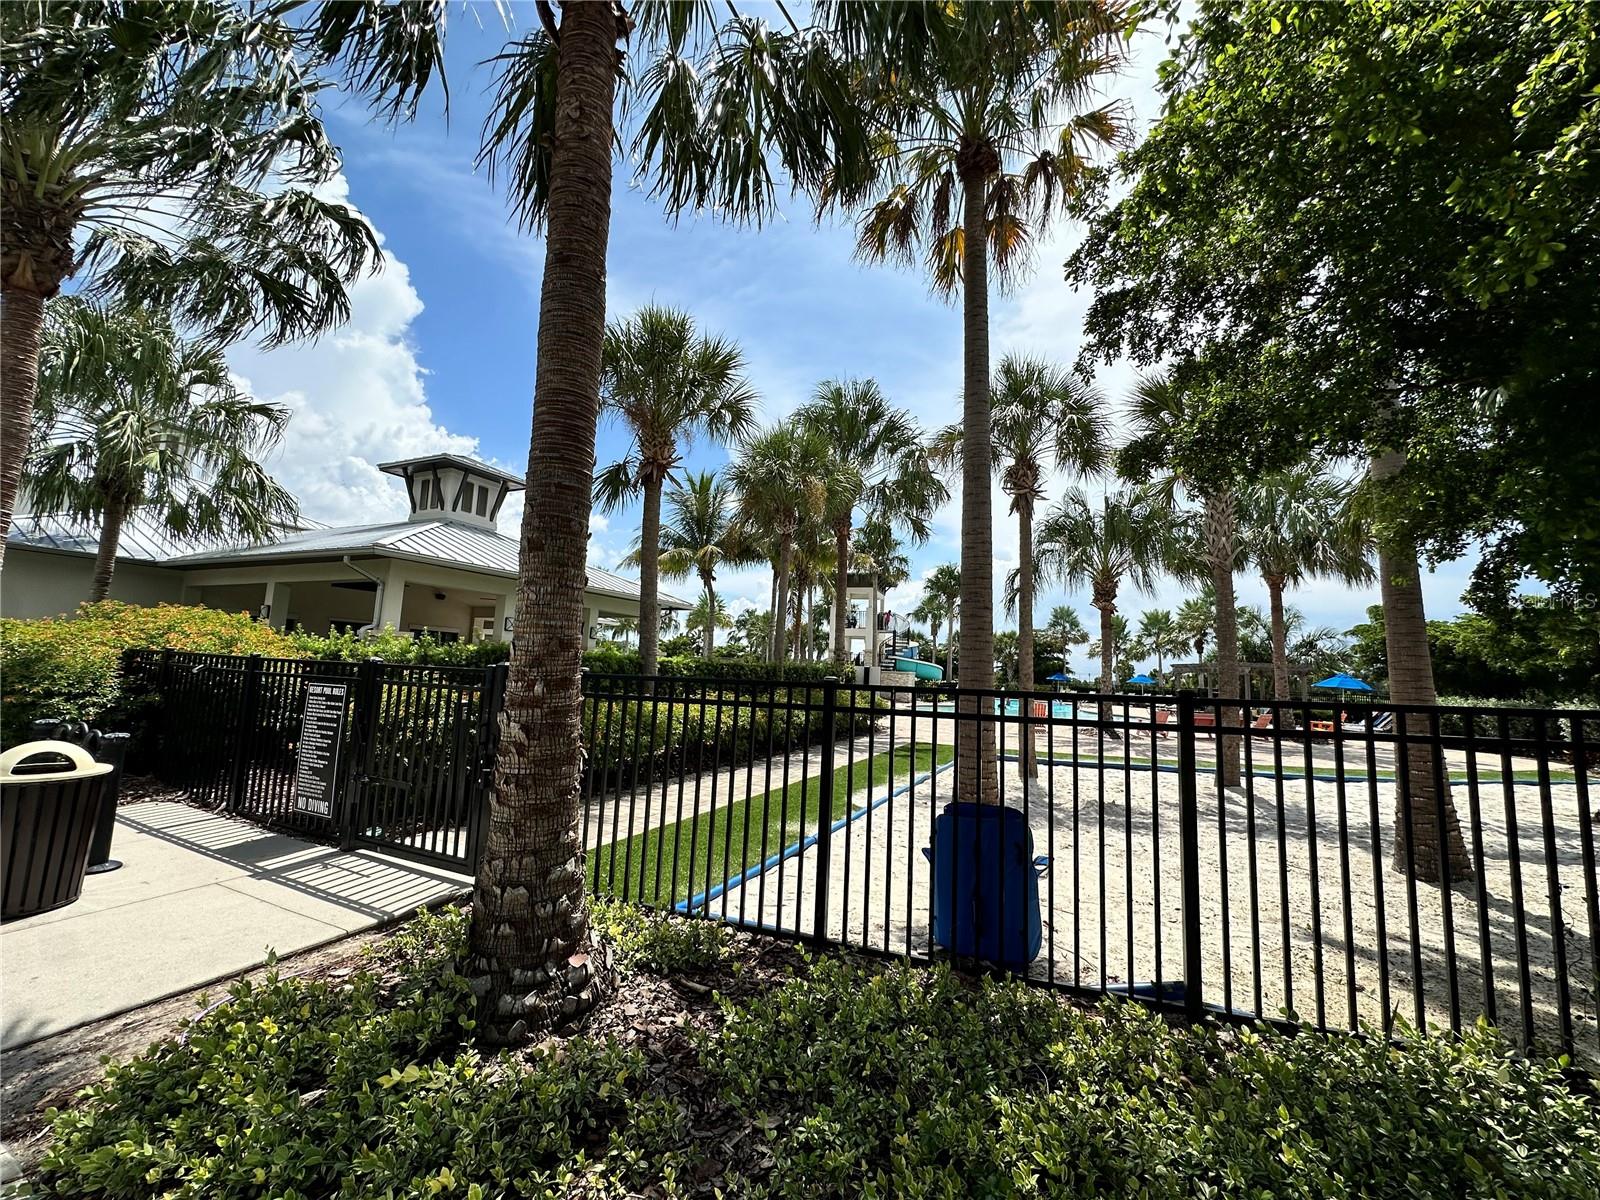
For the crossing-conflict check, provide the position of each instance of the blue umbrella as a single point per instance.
(1345, 683)
(1142, 678)
(1058, 677)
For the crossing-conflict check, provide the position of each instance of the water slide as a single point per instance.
(922, 670)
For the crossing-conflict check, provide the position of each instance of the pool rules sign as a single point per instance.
(316, 771)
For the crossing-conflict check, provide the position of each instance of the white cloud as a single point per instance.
(359, 398)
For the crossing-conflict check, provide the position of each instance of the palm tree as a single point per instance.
(1043, 418)
(1197, 617)
(1301, 524)
(669, 386)
(877, 550)
(1124, 538)
(1065, 629)
(991, 102)
(784, 478)
(1159, 409)
(884, 472)
(697, 536)
(1159, 634)
(170, 156)
(944, 582)
(132, 417)
(708, 615)
(1119, 649)
(932, 612)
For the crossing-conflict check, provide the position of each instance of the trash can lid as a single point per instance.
(83, 765)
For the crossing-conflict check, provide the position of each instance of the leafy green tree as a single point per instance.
(1380, 218)
(669, 385)
(1125, 538)
(698, 535)
(752, 632)
(877, 550)
(132, 417)
(884, 467)
(933, 612)
(986, 120)
(708, 615)
(167, 155)
(1196, 618)
(1297, 525)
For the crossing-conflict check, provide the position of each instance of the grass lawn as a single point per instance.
(660, 866)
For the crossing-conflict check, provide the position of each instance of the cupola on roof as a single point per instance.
(450, 487)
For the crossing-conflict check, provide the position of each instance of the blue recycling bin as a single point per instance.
(986, 884)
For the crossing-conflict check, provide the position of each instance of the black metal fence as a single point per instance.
(1123, 855)
(416, 756)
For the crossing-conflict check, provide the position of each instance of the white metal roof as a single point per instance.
(447, 543)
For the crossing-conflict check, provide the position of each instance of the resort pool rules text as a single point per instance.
(316, 772)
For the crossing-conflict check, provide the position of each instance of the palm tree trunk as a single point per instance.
(105, 555)
(1030, 764)
(1220, 527)
(649, 576)
(534, 961)
(1106, 602)
(1405, 634)
(1280, 637)
(710, 643)
(976, 778)
(772, 624)
(841, 588)
(21, 323)
(780, 614)
(950, 650)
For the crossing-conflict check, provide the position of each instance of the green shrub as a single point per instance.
(845, 1081)
(661, 945)
(392, 647)
(606, 660)
(913, 1082)
(70, 668)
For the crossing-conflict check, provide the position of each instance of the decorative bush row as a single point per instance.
(845, 1081)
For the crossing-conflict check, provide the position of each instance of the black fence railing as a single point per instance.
(1371, 866)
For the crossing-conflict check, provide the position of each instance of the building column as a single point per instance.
(504, 608)
(394, 599)
(275, 603)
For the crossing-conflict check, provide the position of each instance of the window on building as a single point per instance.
(483, 502)
(424, 491)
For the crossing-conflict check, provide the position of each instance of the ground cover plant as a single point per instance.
(752, 1070)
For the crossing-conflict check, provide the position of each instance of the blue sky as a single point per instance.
(439, 353)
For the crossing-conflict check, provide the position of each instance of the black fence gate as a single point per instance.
(415, 755)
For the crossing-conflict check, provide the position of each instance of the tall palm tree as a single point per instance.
(882, 459)
(783, 478)
(1301, 524)
(170, 156)
(1043, 418)
(1159, 634)
(1119, 648)
(944, 583)
(1065, 629)
(877, 550)
(668, 385)
(986, 120)
(1125, 538)
(697, 536)
(1159, 409)
(133, 417)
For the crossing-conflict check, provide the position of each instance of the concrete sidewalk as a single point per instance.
(201, 897)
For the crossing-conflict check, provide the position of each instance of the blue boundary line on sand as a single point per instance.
(806, 842)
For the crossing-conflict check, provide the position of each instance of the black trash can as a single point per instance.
(107, 748)
(50, 795)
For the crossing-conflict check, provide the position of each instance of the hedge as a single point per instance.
(607, 661)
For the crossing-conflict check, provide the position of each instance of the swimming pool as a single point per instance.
(1061, 709)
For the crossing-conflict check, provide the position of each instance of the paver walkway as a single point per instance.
(200, 897)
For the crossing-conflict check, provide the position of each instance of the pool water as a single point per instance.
(1058, 708)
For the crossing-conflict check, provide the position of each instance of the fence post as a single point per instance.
(244, 744)
(488, 750)
(159, 753)
(1189, 845)
(830, 713)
